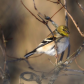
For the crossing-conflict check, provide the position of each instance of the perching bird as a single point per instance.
(47, 46)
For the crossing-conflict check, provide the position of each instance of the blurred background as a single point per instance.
(26, 33)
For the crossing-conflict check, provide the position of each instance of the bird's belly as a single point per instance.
(50, 48)
(51, 52)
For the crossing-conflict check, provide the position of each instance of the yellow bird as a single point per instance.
(47, 46)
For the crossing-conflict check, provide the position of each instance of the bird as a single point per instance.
(60, 38)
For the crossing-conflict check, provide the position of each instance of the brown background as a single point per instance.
(27, 33)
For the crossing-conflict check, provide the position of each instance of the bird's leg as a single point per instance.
(56, 56)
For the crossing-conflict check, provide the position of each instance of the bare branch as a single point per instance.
(37, 9)
(78, 65)
(71, 75)
(66, 17)
(72, 70)
(30, 12)
(80, 6)
(3, 49)
(56, 13)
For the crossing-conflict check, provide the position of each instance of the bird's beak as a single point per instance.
(68, 32)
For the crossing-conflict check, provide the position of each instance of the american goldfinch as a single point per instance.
(47, 46)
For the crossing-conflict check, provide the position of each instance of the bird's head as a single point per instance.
(63, 30)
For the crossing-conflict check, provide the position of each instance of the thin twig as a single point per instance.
(72, 70)
(80, 6)
(37, 9)
(51, 62)
(19, 80)
(5, 75)
(66, 17)
(30, 12)
(79, 65)
(1, 70)
(3, 49)
(56, 13)
(53, 1)
(70, 74)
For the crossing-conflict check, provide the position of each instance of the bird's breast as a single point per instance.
(62, 44)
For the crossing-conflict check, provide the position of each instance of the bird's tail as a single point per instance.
(30, 53)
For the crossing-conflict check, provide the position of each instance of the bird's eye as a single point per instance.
(63, 29)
